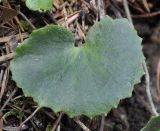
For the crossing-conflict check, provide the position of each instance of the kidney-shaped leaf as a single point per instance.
(87, 80)
(39, 5)
(153, 124)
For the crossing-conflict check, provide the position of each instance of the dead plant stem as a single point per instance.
(147, 77)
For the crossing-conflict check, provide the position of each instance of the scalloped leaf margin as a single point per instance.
(88, 80)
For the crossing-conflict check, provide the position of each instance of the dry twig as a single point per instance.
(9, 98)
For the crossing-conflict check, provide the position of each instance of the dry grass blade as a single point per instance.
(125, 4)
(4, 82)
(29, 22)
(102, 123)
(136, 7)
(101, 8)
(7, 57)
(70, 18)
(82, 125)
(17, 37)
(158, 80)
(147, 15)
(1, 121)
(38, 108)
(9, 98)
(57, 122)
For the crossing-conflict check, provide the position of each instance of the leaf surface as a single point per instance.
(39, 5)
(153, 124)
(87, 80)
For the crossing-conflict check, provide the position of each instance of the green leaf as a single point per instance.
(153, 124)
(39, 5)
(87, 80)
